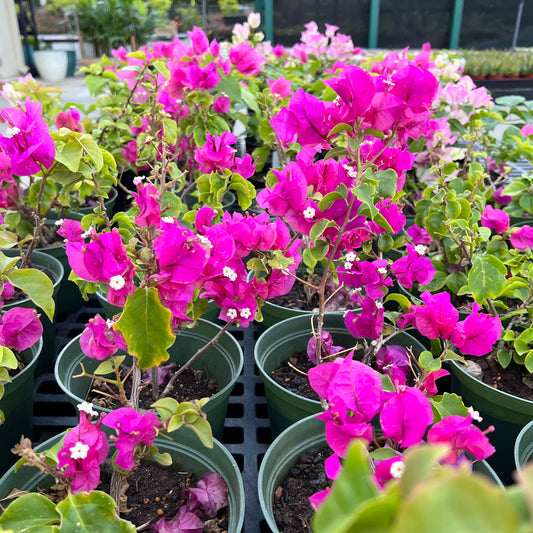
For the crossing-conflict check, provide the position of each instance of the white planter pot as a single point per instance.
(51, 64)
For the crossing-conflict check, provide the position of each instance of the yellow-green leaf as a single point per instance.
(145, 326)
(37, 286)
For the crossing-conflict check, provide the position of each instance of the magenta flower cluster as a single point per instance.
(355, 396)
(86, 446)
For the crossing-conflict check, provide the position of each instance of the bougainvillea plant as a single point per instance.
(75, 462)
(357, 394)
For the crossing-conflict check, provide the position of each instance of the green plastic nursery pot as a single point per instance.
(109, 205)
(274, 314)
(69, 297)
(523, 448)
(188, 455)
(279, 342)
(17, 405)
(285, 451)
(507, 413)
(223, 362)
(54, 269)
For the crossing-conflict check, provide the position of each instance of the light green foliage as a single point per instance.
(428, 498)
(93, 511)
(186, 414)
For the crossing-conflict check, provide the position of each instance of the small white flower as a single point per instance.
(11, 132)
(254, 20)
(348, 265)
(379, 305)
(475, 414)
(138, 180)
(79, 450)
(397, 469)
(309, 213)
(85, 234)
(382, 270)
(245, 313)
(229, 273)
(204, 240)
(337, 101)
(87, 407)
(232, 314)
(109, 322)
(420, 249)
(170, 220)
(58, 222)
(350, 256)
(117, 282)
(350, 170)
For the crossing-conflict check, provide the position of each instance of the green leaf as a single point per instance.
(164, 459)
(455, 281)
(428, 362)
(448, 404)
(231, 87)
(319, 250)
(70, 155)
(352, 488)
(487, 277)
(318, 229)
(91, 512)
(338, 128)
(37, 286)
(170, 129)
(504, 357)
(94, 83)
(401, 299)
(388, 180)
(7, 358)
(161, 67)
(455, 501)
(166, 407)
(328, 200)
(145, 326)
(418, 464)
(528, 361)
(93, 150)
(381, 454)
(203, 429)
(30, 512)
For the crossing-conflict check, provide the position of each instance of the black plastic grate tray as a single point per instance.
(246, 432)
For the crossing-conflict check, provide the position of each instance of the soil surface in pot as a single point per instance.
(155, 492)
(292, 510)
(293, 376)
(515, 379)
(191, 385)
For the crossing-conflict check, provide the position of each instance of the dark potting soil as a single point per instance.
(292, 510)
(515, 379)
(290, 376)
(191, 385)
(155, 492)
(297, 298)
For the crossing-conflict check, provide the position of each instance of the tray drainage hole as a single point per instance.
(238, 390)
(259, 389)
(263, 435)
(235, 410)
(260, 457)
(233, 435)
(261, 410)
